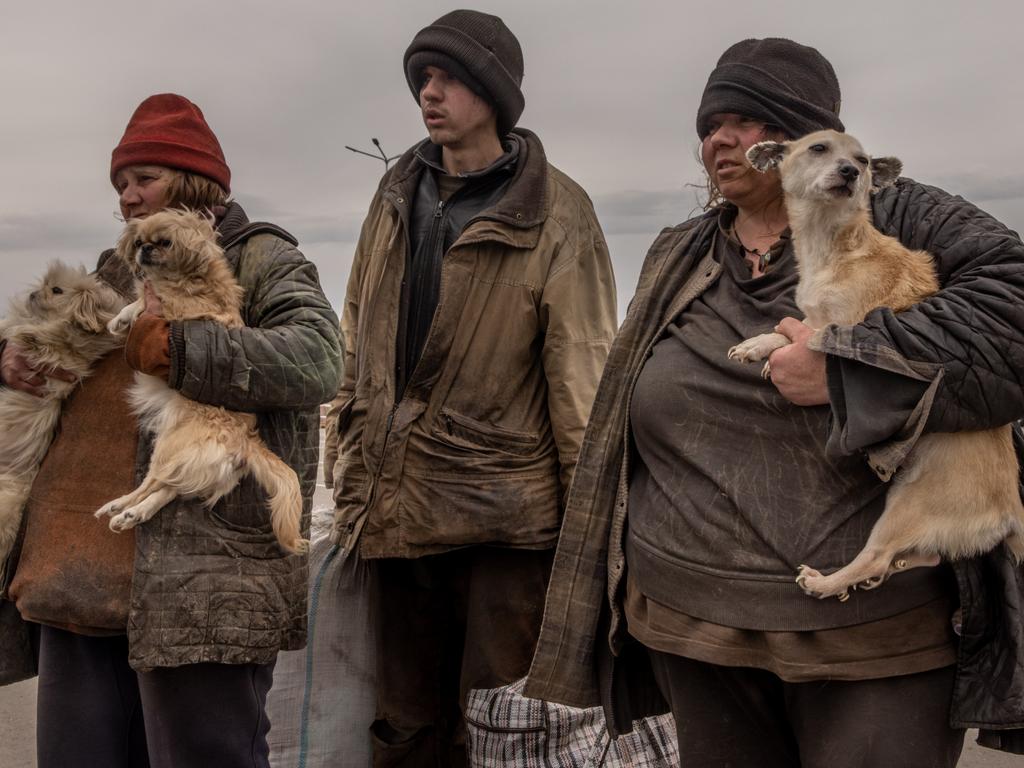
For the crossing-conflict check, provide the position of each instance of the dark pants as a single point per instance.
(739, 717)
(447, 624)
(94, 710)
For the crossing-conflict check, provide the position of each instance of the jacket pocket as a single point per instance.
(462, 430)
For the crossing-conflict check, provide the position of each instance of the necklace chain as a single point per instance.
(765, 257)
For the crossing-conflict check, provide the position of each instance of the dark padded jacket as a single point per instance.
(953, 362)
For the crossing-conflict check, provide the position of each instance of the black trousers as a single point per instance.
(447, 624)
(94, 710)
(738, 717)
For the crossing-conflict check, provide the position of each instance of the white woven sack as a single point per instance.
(324, 697)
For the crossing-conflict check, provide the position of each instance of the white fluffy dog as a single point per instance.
(61, 323)
(200, 451)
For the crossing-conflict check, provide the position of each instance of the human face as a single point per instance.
(143, 189)
(455, 117)
(724, 153)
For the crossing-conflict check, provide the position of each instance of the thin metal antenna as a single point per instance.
(382, 156)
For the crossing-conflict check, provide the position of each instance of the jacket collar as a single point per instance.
(523, 206)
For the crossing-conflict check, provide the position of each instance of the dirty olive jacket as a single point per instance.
(484, 441)
(953, 362)
(212, 585)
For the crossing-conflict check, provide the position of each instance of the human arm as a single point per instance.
(578, 314)
(286, 357)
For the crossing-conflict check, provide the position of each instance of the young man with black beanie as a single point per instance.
(479, 312)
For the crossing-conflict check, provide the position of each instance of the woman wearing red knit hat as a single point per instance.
(157, 646)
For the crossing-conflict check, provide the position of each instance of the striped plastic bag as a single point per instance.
(506, 730)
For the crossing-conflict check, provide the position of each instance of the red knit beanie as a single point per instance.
(170, 130)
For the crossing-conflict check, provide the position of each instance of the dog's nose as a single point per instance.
(146, 253)
(848, 171)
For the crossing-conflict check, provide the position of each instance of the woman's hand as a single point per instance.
(17, 373)
(147, 348)
(153, 303)
(797, 371)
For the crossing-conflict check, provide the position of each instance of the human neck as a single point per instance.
(471, 156)
(758, 228)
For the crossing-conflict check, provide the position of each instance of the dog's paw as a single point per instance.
(119, 326)
(757, 348)
(814, 584)
(109, 509)
(124, 521)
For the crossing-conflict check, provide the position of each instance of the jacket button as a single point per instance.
(519, 215)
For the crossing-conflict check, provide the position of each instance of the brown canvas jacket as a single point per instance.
(483, 444)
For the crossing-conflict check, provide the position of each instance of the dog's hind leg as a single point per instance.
(144, 510)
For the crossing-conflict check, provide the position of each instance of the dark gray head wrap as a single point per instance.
(479, 50)
(778, 81)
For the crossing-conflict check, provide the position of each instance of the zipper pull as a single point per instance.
(448, 423)
(440, 209)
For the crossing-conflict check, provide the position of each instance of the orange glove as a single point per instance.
(148, 347)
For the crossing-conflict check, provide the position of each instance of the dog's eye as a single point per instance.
(861, 159)
(137, 244)
(817, 148)
(58, 290)
(165, 243)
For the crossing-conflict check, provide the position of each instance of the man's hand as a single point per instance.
(17, 373)
(798, 372)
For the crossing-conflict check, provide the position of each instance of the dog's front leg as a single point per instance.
(123, 321)
(758, 348)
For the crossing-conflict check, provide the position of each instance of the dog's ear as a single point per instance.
(766, 155)
(88, 311)
(885, 171)
(125, 248)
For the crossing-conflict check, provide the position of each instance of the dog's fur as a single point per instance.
(199, 451)
(60, 323)
(957, 494)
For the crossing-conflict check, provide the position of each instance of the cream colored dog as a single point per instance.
(956, 495)
(199, 451)
(61, 323)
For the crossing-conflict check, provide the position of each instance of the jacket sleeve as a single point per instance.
(578, 314)
(953, 362)
(343, 435)
(286, 357)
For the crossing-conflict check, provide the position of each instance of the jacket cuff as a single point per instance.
(880, 402)
(176, 337)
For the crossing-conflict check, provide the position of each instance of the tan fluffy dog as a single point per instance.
(199, 451)
(61, 323)
(956, 495)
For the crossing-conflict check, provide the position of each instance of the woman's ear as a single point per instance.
(766, 155)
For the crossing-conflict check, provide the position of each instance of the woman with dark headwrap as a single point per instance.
(701, 488)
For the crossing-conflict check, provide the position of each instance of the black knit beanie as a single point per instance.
(479, 50)
(778, 81)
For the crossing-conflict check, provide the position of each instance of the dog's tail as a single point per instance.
(281, 484)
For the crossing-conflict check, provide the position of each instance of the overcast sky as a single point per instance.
(611, 88)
